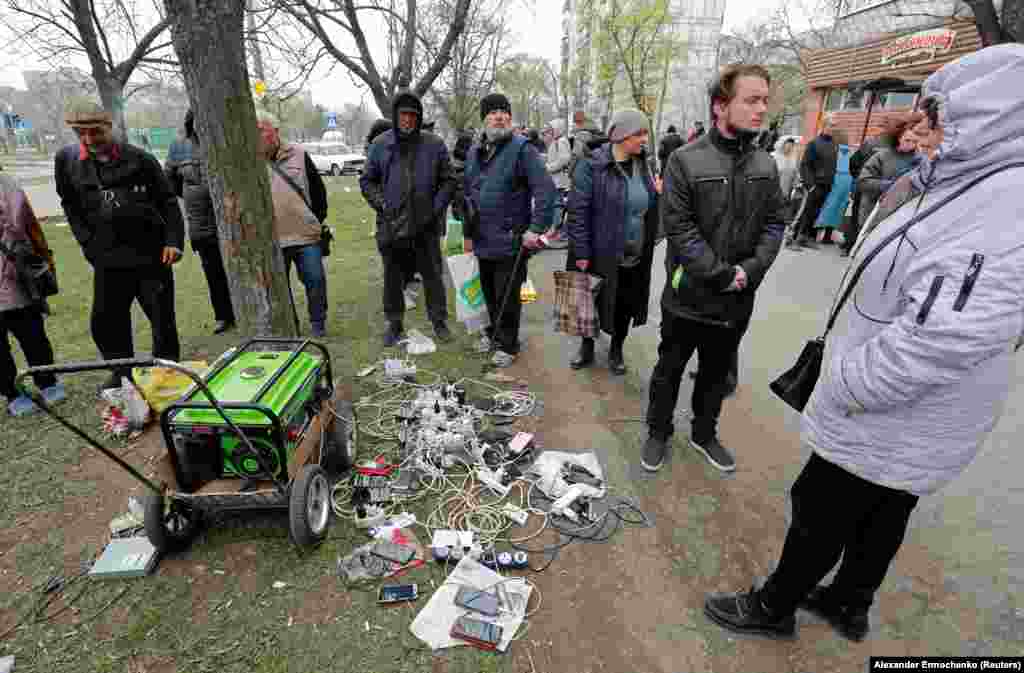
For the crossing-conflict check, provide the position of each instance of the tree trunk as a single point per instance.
(208, 39)
(1013, 20)
(987, 21)
(112, 97)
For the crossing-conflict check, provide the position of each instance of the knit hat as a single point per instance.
(626, 123)
(492, 102)
(87, 114)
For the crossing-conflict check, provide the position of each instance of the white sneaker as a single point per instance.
(410, 300)
(502, 359)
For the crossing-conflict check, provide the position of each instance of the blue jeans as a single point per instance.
(309, 262)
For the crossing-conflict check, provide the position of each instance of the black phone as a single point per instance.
(484, 635)
(396, 593)
(389, 551)
(477, 600)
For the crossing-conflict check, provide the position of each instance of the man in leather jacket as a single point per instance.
(723, 220)
(124, 214)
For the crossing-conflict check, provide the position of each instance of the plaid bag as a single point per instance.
(575, 311)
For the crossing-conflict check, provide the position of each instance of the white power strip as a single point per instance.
(516, 514)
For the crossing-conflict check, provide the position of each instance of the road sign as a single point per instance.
(332, 120)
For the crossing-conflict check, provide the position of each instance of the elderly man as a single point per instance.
(508, 192)
(124, 214)
(300, 205)
(408, 181)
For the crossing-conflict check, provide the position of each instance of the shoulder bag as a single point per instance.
(325, 232)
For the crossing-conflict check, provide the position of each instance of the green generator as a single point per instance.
(272, 389)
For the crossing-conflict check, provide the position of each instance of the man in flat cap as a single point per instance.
(124, 214)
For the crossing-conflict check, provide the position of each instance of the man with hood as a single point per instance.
(670, 142)
(508, 198)
(919, 363)
(722, 215)
(408, 181)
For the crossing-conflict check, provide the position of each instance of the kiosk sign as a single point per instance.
(927, 42)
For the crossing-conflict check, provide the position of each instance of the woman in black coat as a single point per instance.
(613, 229)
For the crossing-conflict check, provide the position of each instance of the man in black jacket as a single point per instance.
(669, 144)
(817, 170)
(722, 215)
(125, 216)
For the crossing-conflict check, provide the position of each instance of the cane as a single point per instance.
(511, 280)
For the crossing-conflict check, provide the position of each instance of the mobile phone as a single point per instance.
(396, 593)
(477, 600)
(399, 553)
(477, 632)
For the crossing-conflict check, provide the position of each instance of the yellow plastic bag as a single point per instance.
(161, 386)
(527, 293)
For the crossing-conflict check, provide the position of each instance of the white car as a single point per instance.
(335, 158)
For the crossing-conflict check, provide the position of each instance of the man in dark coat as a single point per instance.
(817, 170)
(408, 181)
(669, 144)
(722, 215)
(125, 216)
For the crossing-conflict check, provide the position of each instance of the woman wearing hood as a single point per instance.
(918, 365)
(612, 231)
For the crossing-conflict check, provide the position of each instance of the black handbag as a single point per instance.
(33, 271)
(795, 386)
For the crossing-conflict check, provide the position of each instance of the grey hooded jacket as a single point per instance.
(918, 367)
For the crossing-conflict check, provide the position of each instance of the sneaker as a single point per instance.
(54, 394)
(502, 359)
(441, 331)
(851, 623)
(484, 345)
(745, 613)
(393, 334)
(616, 363)
(410, 299)
(716, 454)
(114, 381)
(222, 326)
(22, 405)
(654, 453)
(585, 356)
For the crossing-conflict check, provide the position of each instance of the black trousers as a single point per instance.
(114, 290)
(208, 250)
(625, 300)
(495, 278)
(815, 201)
(422, 254)
(715, 347)
(837, 513)
(854, 229)
(26, 324)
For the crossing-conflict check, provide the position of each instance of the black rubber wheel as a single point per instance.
(309, 509)
(340, 445)
(171, 525)
(336, 170)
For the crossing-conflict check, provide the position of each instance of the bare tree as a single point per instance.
(208, 38)
(327, 19)
(111, 34)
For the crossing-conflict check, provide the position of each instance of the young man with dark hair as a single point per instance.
(722, 216)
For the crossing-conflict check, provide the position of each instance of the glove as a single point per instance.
(532, 241)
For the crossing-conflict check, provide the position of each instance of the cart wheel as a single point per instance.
(310, 509)
(170, 526)
(340, 447)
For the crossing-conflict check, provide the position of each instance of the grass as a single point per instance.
(194, 619)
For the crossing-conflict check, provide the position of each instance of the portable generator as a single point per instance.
(271, 389)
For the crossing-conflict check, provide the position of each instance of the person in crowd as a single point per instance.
(865, 151)
(914, 380)
(408, 181)
(300, 205)
(613, 232)
(786, 162)
(696, 132)
(833, 211)
(559, 156)
(538, 143)
(509, 193)
(714, 263)
(817, 170)
(459, 154)
(897, 156)
(19, 315)
(669, 144)
(125, 216)
(928, 139)
(188, 178)
(769, 137)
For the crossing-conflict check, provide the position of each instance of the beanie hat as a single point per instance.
(492, 102)
(671, 128)
(626, 123)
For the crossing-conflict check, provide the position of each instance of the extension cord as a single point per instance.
(515, 513)
(375, 516)
(493, 480)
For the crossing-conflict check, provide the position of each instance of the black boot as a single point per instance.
(616, 363)
(851, 623)
(746, 613)
(393, 334)
(585, 356)
(653, 456)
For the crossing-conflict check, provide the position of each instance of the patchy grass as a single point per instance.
(212, 608)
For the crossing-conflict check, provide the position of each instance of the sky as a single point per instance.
(538, 26)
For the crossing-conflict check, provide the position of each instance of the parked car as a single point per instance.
(335, 158)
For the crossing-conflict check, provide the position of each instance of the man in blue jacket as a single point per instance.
(508, 201)
(408, 181)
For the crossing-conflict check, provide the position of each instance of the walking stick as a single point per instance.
(508, 286)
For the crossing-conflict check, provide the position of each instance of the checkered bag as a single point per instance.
(575, 311)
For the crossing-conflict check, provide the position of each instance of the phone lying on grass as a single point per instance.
(397, 593)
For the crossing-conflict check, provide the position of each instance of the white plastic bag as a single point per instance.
(129, 403)
(470, 307)
(418, 343)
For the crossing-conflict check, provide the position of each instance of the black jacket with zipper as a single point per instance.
(123, 212)
(722, 208)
